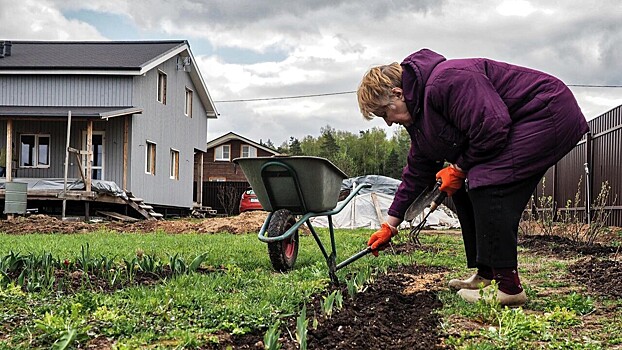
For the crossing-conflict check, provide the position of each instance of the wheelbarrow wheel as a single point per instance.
(283, 253)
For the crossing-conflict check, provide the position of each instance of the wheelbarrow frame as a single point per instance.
(278, 167)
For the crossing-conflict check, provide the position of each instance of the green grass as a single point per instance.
(247, 295)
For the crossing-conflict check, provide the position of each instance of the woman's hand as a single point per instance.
(451, 178)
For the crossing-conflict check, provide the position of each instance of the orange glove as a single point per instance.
(381, 238)
(451, 180)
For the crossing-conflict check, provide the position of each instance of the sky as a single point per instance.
(274, 50)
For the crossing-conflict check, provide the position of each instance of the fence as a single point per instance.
(224, 197)
(595, 160)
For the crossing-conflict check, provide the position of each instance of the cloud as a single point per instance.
(41, 20)
(305, 47)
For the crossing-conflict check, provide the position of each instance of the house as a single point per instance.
(129, 114)
(220, 174)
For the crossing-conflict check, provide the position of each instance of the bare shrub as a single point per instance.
(229, 198)
(527, 221)
(546, 212)
(598, 225)
(571, 224)
(574, 226)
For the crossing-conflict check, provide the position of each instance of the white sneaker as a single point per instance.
(473, 282)
(504, 299)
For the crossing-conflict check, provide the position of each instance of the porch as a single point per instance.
(105, 198)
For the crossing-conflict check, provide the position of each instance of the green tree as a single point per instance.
(330, 149)
(392, 167)
(295, 148)
(268, 144)
(310, 146)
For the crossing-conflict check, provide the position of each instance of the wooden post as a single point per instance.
(89, 155)
(200, 184)
(126, 126)
(66, 164)
(9, 151)
(9, 156)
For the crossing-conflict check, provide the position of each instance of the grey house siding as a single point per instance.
(113, 134)
(167, 127)
(79, 91)
(54, 90)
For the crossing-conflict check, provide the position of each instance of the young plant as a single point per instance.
(194, 265)
(271, 338)
(301, 328)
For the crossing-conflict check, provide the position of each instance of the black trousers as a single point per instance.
(489, 218)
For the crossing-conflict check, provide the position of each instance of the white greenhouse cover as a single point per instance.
(369, 210)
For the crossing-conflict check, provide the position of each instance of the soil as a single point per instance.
(600, 276)
(599, 269)
(247, 222)
(397, 311)
(563, 247)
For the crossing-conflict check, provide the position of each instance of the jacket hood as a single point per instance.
(416, 70)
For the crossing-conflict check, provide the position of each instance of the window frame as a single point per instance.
(222, 158)
(188, 102)
(36, 148)
(248, 155)
(151, 152)
(174, 164)
(161, 87)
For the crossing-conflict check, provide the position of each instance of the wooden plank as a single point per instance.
(118, 216)
(126, 127)
(9, 151)
(374, 199)
(89, 156)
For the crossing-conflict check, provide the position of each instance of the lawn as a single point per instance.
(105, 289)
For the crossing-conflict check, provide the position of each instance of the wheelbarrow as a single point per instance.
(294, 189)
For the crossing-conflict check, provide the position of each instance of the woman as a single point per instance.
(500, 127)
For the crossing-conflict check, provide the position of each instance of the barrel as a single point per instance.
(15, 197)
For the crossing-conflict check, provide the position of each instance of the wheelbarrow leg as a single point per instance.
(331, 260)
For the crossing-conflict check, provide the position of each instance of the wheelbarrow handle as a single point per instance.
(262, 232)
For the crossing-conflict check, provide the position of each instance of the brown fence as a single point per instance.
(595, 160)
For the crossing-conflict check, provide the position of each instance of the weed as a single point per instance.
(64, 328)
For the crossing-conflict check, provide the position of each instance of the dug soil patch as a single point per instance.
(562, 247)
(396, 311)
(603, 277)
(248, 222)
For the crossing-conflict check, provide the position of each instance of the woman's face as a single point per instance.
(396, 111)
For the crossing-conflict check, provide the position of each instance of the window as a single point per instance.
(161, 87)
(174, 164)
(34, 151)
(223, 153)
(248, 151)
(151, 158)
(188, 107)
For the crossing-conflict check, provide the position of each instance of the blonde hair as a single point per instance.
(374, 92)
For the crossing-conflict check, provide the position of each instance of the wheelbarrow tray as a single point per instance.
(301, 184)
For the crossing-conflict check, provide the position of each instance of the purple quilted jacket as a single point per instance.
(499, 122)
